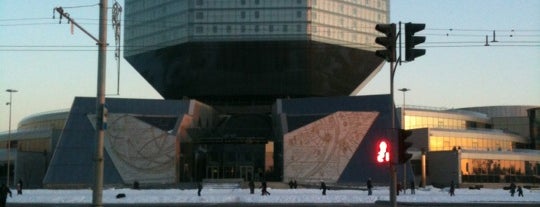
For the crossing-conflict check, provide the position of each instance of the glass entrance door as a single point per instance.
(246, 172)
(212, 172)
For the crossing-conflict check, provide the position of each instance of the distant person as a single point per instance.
(399, 186)
(295, 185)
(520, 191)
(452, 189)
(264, 191)
(369, 186)
(291, 184)
(19, 187)
(512, 189)
(323, 188)
(199, 188)
(136, 185)
(4, 191)
(251, 187)
(412, 187)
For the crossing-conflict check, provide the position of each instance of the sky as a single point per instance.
(171, 196)
(49, 66)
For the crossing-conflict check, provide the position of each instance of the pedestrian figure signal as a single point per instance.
(383, 154)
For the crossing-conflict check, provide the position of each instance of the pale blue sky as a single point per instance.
(457, 71)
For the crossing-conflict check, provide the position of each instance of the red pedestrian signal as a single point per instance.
(383, 152)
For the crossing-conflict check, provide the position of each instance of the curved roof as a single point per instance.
(502, 111)
(50, 116)
(450, 114)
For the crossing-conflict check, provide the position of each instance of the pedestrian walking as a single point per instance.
(520, 191)
(452, 189)
(19, 187)
(4, 191)
(264, 191)
(512, 189)
(199, 188)
(398, 188)
(369, 186)
(251, 187)
(323, 188)
(412, 187)
(295, 185)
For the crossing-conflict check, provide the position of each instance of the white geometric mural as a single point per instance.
(139, 151)
(322, 149)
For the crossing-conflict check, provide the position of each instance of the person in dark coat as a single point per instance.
(295, 185)
(452, 189)
(4, 191)
(323, 188)
(251, 187)
(412, 187)
(19, 187)
(291, 184)
(199, 188)
(512, 189)
(369, 186)
(263, 189)
(520, 191)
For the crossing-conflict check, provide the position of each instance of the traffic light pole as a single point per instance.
(389, 54)
(393, 162)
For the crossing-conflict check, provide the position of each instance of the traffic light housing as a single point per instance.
(411, 41)
(403, 156)
(388, 41)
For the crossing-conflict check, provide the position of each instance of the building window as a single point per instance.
(199, 2)
(256, 14)
(229, 29)
(298, 14)
(243, 28)
(199, 15)
(271, 28)
(214, 29)
(285, 28)
(243, 14)
(199, 29)
(256, 28)
(243, 2)
(257, 2)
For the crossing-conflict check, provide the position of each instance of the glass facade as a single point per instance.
(499, 171)
(416, 122)
(440, 143)
(470, 133)
(163, 23)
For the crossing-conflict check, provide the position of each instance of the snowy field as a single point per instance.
(428, 195)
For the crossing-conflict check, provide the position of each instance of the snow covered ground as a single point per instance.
(428, 195)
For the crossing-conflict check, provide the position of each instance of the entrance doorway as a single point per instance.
(246, 172)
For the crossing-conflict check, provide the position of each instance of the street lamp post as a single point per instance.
(403, 107)
(403, 127)
(10, 103)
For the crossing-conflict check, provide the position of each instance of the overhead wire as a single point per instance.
(520, 37)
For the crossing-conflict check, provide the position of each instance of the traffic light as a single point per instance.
(403, 156)
(388, 41)
(383, 152)
(411, 41)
